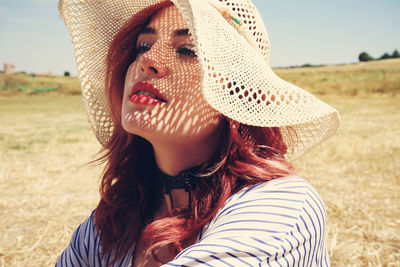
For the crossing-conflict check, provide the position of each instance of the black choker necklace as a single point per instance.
(186, 179)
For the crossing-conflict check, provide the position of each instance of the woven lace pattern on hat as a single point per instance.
(236, 77)
(238, 81)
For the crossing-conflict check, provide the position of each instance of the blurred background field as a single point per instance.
(47, 188)
(23, 83)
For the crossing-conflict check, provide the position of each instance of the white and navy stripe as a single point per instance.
(84, 249)
(275, 223)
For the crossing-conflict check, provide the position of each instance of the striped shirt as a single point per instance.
(274, 223)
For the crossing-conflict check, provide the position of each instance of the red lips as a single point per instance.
(145, 93)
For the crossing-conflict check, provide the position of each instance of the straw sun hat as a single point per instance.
(233, 52)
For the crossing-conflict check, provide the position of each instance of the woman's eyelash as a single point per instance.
(143, 47)
(186, 51)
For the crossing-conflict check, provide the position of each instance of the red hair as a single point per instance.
(247, 155)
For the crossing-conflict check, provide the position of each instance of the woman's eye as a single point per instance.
(143, 47)
(186, 51)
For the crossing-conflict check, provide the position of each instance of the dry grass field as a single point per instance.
(47, 188)
(22, 84)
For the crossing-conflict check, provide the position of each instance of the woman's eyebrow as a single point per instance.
(147, 30)
(181, 32)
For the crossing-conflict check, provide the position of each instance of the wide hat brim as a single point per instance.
(237, 80)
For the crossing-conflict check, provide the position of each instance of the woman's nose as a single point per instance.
(151, 64)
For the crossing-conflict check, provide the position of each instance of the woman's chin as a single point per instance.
(169, 134)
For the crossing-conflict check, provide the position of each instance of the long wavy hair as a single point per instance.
(247, 155)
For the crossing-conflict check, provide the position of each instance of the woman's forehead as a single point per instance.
(167, 18)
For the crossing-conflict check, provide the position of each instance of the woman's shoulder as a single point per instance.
(85, 250)
(276, 205)
(79, 250)
(290, 192)
(293, 184)
(277, 222)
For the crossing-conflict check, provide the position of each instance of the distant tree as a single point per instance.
(364, 56)
(395, 54)
(67, 74)
(307, 65)
(385, 56)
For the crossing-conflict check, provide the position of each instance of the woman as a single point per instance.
(197, 132)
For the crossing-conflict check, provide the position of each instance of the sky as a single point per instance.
(34, 38)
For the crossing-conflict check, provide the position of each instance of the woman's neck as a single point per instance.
(173, 158)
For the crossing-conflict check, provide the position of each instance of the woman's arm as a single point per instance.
(276, 223)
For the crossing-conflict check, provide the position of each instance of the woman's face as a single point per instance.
(162, 95)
